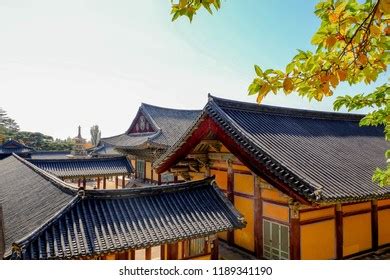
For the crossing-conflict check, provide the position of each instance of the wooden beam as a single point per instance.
(339, 232)
(230, 196)
(222, 156)
(258, 218)
(215, 249)
(104, 183)
(123, 181)
(132, 255)
(98, 182)
(295, 233)
(374, 224)
(116, 182)
(148, 253)
(162, 251)
(172, 251)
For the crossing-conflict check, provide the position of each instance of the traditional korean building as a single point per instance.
(302, 179)
(42, 217)
(153, 130)
(12, 146)
(82, 169)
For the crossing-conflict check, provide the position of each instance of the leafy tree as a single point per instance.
(6, 122)
(352, 45)
(95, 135)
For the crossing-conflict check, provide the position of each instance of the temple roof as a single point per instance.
(164, 126)
(85, 167)
(13, 146)
(50, 154)
(320, 156)
(29, 197)
(47, 219)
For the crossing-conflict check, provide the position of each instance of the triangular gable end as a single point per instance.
(141, 124)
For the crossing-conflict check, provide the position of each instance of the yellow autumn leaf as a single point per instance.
(384, 6)
(330, 41)
(334, 17)
(375, 30)
(288, 85)
(260, 98)
(334, 80)
(264, 89)
(342, 75)
(362, 58)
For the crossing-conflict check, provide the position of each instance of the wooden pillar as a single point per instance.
(84, 182)
(339, 232)
(79, 183)
(123, 181)
(215, 249)
(151, 174)
(295, 232)
(104, 183)
(207, 171)
(98, 182)
(258, 218)
(162, 251)
(374, 224)
(159, 179)
(131, 254)
(148, 253)
(172, 250)
(144, 179)
(116, 182)
(230, 196)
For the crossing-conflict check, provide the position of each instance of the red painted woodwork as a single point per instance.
(173, 251)
(123, 181)
(148, 253)
(141, 124)
(258, 218)
(116, 182)
(204, 128)
(295, 239)
(374, 224)
(215, 249)
(98, 182)
(104, 182)
(339, 232)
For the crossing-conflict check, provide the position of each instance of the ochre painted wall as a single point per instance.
(314, 214)
(220, 178)
(148, 170)
(244, 237)
(243, 183)
(155, 176)
(276, 212)
(318, 240)
(356, 233)
(356, 207)
(196, 176)
(273, 194)
(384, 226)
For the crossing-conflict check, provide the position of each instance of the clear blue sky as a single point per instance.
(65, 63)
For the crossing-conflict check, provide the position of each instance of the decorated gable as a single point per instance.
(141, 125)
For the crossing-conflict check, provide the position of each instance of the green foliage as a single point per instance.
(9, 129)
(379, 100)
(352, 45)
(189, 8)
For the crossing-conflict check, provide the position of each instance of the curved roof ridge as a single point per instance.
(284, 111)
(48, 176)
(77, 159)
(148, 190)
(166, 108)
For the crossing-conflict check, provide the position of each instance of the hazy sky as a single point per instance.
(65, 63)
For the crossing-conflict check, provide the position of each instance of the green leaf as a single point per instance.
(258, 70)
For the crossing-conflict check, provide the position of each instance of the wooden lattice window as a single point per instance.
(194, 247)
(276, 239)
(140, 169)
